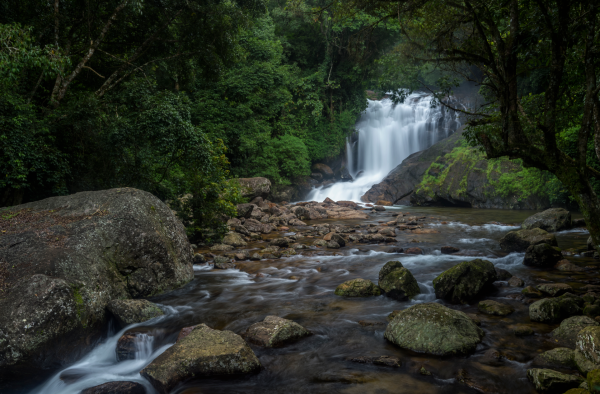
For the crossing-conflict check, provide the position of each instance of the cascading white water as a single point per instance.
(388, 134)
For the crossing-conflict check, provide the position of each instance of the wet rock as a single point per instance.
(449, 249)
(566, 265)
(324, 170)
(495, 308)
(275, 331)
(579, 390)
(414, 250)
(221, 248)
(234, 239)
(552, 220)
(521, 330)
(590, 243)
(240, 256)
(270, 249)
(542, 255)
(392, 315)
(465, 281)
(588, 345)
(388, 361)
(369, 323)
(532, 292)
(223, 265)
(379, 208)
(133, 311)
(434, 329)
(116, 388)
(397, 282)
(244, 211)
(288, 252)
(593, 381)
(255, 187)
(127, 345)
(554, 310)
(554, 289)
(333, 245)
(560, 357)
(475, 318)
(280, 242)
(491, 357)
(255, 226)
(387, 232)
(516, 282)
(338, 239)
(184, 332)
(425, 372)
(320, 242)
(549, 381)
(357, 288)
(503, 274)
(384, 203)
(204, 352)
(520, 240)
(583, 364)
(342, 377)
(567, 332)
(199, 259)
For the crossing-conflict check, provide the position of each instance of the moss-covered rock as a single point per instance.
(560, 357)
(554, 310)
(552, 220)
(567, 332)
(204, 352)
(593, 381)
(357, 288)
(542, 256)
(133, 311)
(434, 329)
(520, 240)
(275, 331)
(549, 381)
(490, 307)
(465, 281)
(397, 282)
(554, 289)
(583, 364)
(588, 343)
(234, 239)
(532, 292)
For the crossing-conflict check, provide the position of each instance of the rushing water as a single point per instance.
(301, 288)
(388, 134)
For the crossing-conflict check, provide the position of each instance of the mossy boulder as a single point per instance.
(549, 381)
(133, 311)
(532, 292)
(552, 220)
(234, 239)
(554, 310)
(397, 282)
(588, 343)
(560, 357)
(520, 240)
(275, 331)
(593, 381)
(542, 256)
(434, 329)
(554, 289)
(490, 307)
(465, 281)
(204, 352)
(567, 332)
(357, 288)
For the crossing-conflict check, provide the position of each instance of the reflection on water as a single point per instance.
(301, 288)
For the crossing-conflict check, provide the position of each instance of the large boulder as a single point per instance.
(552, 220)
(549, 381)
(133, 311)
(357, 288)
(554, 310)
(542, 255)
(69, 257)
(234, 239)
(397, 282)
(275, 331)
(323, 169)
(520, 240)
(116, 388)
(434, 329)
(255, 187)
(203, 352)
(560, 357)
(465, 281)
(567, 332)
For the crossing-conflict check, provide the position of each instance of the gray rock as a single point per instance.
(333, 245)
(133, 311)
(516, 282)
(397, 282)
(323, 169)
(70, 256)
(280, 242)
(199, 259)
(221, 248)
(245, 210)
(255, 187)
(338, 239)
(554, 289)
(234, 239)
(520, 240)
(560, 357)
(567, 332)
(465, 281)
(116, 388)
(502, 274)
(275, 331)
(549, 381)
(490, 307)
(552, 220)
(542, 255)
(434, 329)
(128, 345)
(203, 352)
(357, 288)
(554, 310)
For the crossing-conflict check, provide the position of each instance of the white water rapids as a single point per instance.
(387, 135)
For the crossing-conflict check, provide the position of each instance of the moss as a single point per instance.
(79, 306)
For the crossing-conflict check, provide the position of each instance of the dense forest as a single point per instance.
(178, 97)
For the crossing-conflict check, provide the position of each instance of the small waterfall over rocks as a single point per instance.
(388, 134)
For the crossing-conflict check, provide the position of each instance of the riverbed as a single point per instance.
(301, 288)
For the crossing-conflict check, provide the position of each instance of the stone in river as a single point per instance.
(133, 311)
(333, 245)
(592, 310)
(552, 220)
(516, 282)
(199, 259)
(560, 357)
(593, 381)
(521, 330)
(465, 281)
(127, 345)
(275, 331)
(520, 240)
(221, 248)
(495, 308)
(397, 282)
(357, 288)
(503, 274)
(280, 242)
(542, 255)
(567, 332)
(587, 350)
(234, 239)
(554, 310)
(123, 387)
(449, 249)
(549, 381)
(566, 265)
(554, 289)
(223, 266)
(204, 352)
(531, 291)
(414, 250)
(434, 329)
(384, 203)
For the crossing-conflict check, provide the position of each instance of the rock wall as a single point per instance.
(63, 259)
(454, 174)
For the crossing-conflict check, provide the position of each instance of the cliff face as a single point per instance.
(452, 173)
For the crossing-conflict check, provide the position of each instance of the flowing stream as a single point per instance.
(388, 134)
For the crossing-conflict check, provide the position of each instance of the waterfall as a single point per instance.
(388, 134)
